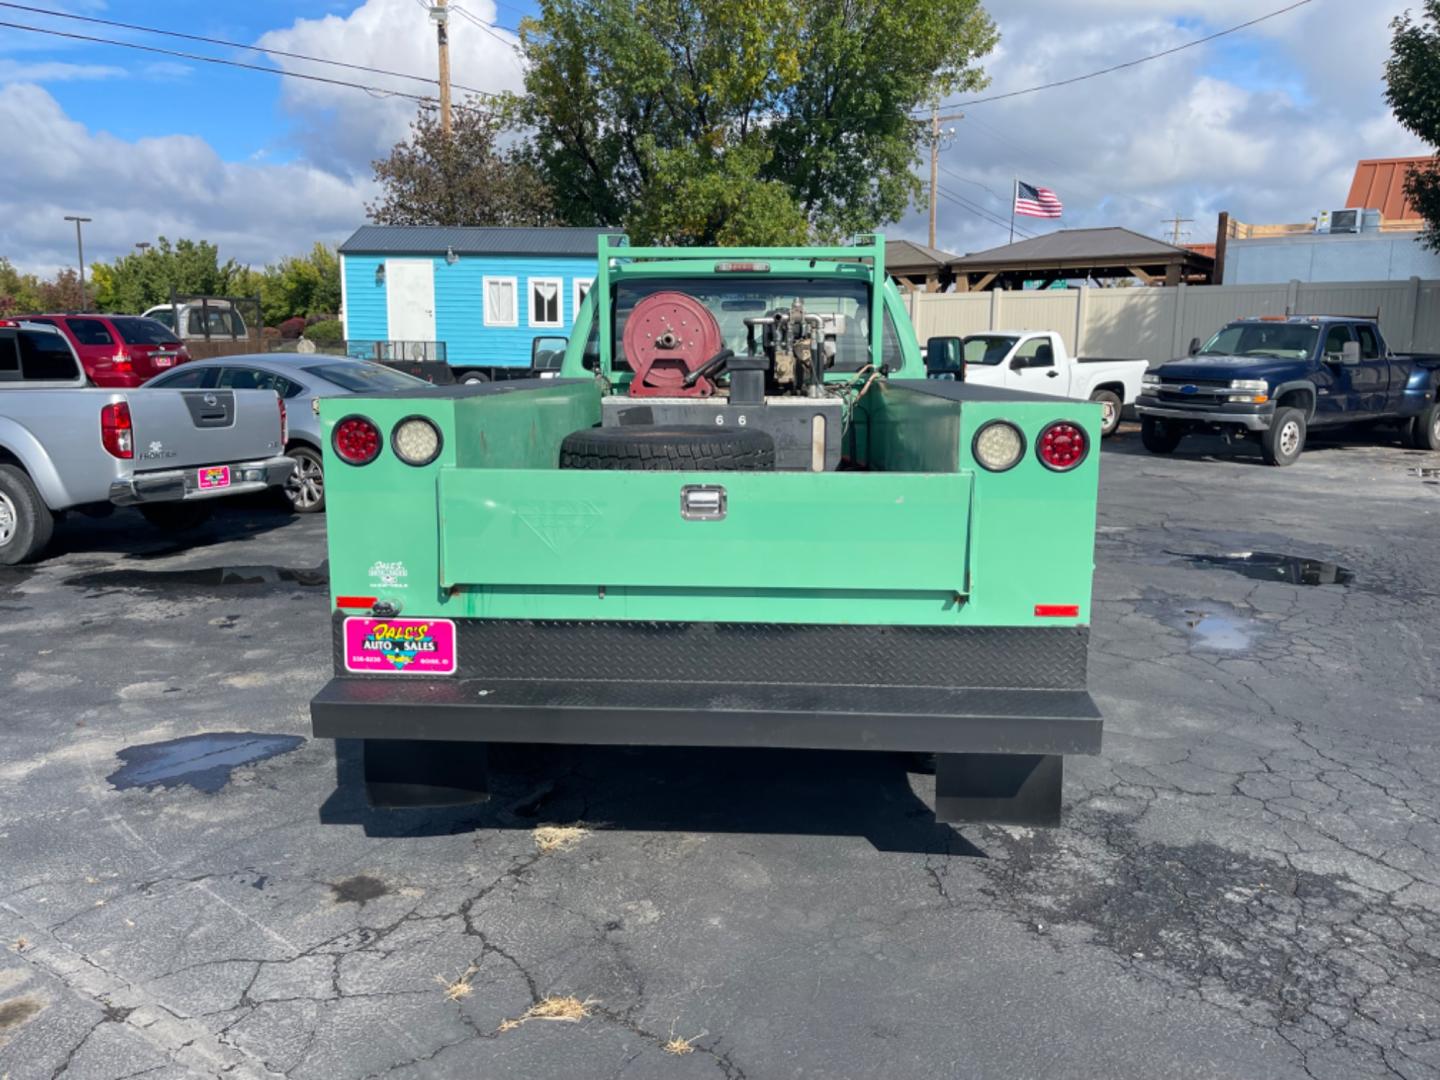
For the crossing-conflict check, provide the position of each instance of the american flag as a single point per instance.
(1033, 201)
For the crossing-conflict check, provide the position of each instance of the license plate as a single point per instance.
(163, 361)
(400, 646)
(215, 476)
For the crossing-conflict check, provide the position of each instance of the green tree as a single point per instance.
(463, 180)
(816, 96)
(298, 285)
(1412, 77)
(19, 292)
(142, 279)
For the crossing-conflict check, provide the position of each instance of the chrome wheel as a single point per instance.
(1290, 439)
(306, 486)
(1109, 414)
(9, 519)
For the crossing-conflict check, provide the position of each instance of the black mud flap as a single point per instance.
(403, 773)
(999, 789)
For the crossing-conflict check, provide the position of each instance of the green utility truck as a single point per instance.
(746, 511)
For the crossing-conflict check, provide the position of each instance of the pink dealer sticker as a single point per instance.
(214, 476)
(400, 646)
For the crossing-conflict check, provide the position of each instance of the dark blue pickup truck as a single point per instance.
(1273, 378)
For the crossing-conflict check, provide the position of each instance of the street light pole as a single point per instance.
(80, 255)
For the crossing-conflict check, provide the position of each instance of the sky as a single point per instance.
(1266, 123)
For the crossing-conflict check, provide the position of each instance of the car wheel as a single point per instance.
(177, 516)
(1424, 430)
(1110, 405)
(25, 521)
(471, 378)
(1159, 436)
(305, 489)
(1285, 439)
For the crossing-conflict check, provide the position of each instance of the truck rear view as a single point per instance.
(741, 516)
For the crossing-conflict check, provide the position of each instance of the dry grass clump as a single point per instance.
(571, 1010)
(459, 988)
(551, 838)
(678, 1046)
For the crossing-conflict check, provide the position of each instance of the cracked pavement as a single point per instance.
(1247, 882)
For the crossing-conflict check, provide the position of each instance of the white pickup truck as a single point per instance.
(1038, 361)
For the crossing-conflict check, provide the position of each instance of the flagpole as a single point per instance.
(1014, 197)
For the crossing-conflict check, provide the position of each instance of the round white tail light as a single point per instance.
(999, 445)
(416, 441)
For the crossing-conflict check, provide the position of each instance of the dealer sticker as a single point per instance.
(400, 646)
(214, 476)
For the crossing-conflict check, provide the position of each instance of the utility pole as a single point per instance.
(1175, 224)
(80, 256)
(936, 137)
(442, 38)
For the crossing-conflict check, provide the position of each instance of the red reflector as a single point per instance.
(1057, 611)
(365, 603)
(1062, 446)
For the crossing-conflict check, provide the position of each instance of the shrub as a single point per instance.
(292, 328)
(326, 333)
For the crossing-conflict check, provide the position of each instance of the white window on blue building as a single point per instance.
(500, 302)
(546, 306)
(582, 290)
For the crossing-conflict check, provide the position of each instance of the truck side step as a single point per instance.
(402, 773)
(999, 789)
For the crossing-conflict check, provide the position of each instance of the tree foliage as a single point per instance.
(1412, 77)
(464, 180)
(814, 97)
(142, 279)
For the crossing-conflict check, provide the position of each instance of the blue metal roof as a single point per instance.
(467, 240)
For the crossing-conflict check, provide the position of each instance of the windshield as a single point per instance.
(1285, 341)
(733, 300)
(988, 349)
(359, 378)
(141, 331)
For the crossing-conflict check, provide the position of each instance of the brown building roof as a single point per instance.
(1379, 184)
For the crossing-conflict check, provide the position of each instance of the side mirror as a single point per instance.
(547, 353)
(1194, 346)
(945, 358)
(1017, 363)
(1350, 353)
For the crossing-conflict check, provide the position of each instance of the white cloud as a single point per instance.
(1267, 123)
(347, 129)
(175, 185)
(55, 71)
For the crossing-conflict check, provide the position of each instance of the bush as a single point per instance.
(326, 333)
(292, 328)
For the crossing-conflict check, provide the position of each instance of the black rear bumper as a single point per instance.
(649, 714)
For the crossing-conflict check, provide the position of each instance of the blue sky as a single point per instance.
(1267, 123)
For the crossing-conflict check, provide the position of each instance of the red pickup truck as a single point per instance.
(118, 350)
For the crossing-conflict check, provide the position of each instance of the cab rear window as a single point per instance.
(32, 355)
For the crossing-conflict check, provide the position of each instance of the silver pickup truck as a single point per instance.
(67, 446)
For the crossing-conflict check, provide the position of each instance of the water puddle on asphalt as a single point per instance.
(202, 761)
(1271, 566)
(1219, 632)
(207, 578)
(360, 889)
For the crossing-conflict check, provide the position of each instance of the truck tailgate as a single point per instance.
(779, 530)
(175, 428)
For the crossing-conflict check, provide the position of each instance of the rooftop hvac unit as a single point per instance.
(1339, 221)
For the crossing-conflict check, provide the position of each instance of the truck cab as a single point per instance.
(740, 516)
(1038, 361)
(1274, 378)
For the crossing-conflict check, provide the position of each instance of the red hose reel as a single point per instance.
(667, 337)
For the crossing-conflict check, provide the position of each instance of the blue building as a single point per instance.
(484, 293)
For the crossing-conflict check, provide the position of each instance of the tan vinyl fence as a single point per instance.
(1157, 324)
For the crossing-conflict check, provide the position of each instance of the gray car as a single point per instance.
(301, 380)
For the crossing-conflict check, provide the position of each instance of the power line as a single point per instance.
(966, 180)
(488, 28)
(1133, 63)
(215, 41)
(981, 212)
(373, 91)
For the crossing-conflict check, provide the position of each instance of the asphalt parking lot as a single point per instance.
(1247, 883)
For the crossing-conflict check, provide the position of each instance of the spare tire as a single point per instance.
(669, 449)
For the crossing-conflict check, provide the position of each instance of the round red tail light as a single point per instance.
(356, 440)
(1062, 446)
